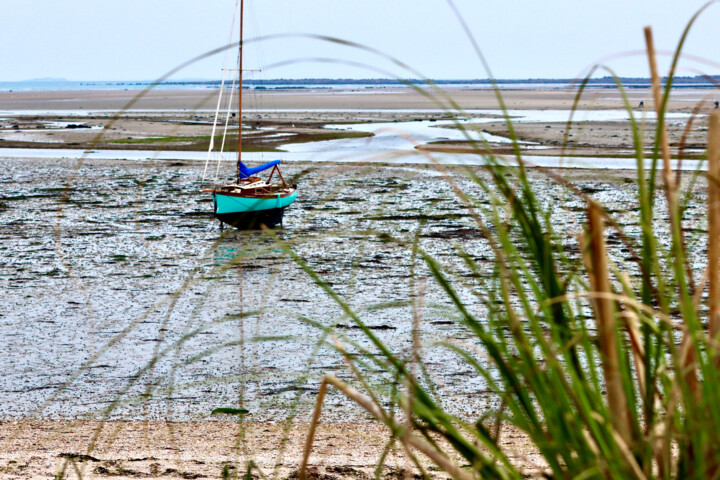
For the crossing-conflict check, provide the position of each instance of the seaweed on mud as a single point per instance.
(312, 473)
(394, 473)
(589, 189)
(173, 472)
(199, 214)
(417, 217)
(289, 388)
(457, 233)
(370, 327)
(14, 198)
(79, 457)
(348, 472)
(115, 471)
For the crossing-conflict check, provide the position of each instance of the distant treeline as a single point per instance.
(698, 80)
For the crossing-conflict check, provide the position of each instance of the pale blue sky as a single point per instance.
(143, 39)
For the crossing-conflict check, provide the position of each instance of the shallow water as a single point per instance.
(549, 115)
(393, 136)
(349, 155)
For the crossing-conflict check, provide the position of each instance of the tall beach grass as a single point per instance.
(608, 370)
(607, 374)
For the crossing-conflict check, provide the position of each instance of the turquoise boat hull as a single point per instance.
(246, 213)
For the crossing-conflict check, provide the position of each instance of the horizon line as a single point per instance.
(319, 80)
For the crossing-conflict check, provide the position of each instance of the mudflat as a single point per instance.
(129, 313)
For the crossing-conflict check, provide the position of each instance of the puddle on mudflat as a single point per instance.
(117, 284)
(392, 142)
(320, 152)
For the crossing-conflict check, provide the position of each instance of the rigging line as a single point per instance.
(222, 85)
(212, 135)
(252, 96)
(225, 130)
(261, 99)
(257, 98)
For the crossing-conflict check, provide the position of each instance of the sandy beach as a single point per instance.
(41, 449)
(128, 312)
(125, 450)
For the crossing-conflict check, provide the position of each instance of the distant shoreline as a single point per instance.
(334, 83)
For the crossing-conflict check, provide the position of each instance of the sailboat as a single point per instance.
(249, 202)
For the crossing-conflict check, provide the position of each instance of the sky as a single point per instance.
(144, 39)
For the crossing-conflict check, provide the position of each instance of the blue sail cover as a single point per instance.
(245, 172)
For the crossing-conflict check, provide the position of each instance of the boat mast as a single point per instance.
(240, 87)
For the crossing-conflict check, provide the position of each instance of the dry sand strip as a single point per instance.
(137, 449)
(349, 100)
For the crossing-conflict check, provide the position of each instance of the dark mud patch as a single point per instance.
(291, 388)
(199, 214)
(458, 233)
(79, 457)
(347, 471)
(392, 473)
(418, 217)
(369, 327)
(312, 473)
